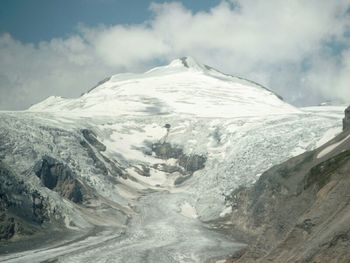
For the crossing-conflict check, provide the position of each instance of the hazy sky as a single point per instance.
(300, 49)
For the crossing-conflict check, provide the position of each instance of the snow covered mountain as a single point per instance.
(142, 160)
(182, 87)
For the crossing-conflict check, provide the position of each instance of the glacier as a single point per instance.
(142, 214)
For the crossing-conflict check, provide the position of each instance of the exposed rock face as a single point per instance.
(91, 137)
(166, 151)
(186, 164)
(103, 165)
(346, 120)
(98, 84)
(22, 210)
(190, 163)
(143, 170)
(8, 227)
(169, 168)
(60, 178)
(298, 211)
(98, 164)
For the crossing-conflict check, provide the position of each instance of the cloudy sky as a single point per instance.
(300, 49)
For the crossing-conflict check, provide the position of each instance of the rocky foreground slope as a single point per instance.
(298, 211)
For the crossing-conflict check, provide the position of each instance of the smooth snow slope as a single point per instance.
(184, 86)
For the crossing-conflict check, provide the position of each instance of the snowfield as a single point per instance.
(182, 87)
(241, 128)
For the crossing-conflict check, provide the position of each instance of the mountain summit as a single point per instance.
(188, 62)
(185, 86)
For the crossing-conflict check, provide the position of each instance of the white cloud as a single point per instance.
(298, 48)
(331, 76)
(30, 73)
(126, 45)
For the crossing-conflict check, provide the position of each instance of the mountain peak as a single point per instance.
(187, 62)
(184, 86)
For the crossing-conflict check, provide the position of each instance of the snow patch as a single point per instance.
(331, 147)
(188, 210)
(329, 135)
(226, 211)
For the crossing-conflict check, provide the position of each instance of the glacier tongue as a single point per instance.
(165, 218)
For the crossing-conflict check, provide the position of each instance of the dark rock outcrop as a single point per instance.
(22, 210)
(190, 163)
(143, 170)
(169, 168)
(115, 168)
(166, 151)
(8, 227)
(181, 179)
(98, 164)
(59, 177)
(107, 167)
(98, 84)
(185, 165)
(346, 120)
(91, 137)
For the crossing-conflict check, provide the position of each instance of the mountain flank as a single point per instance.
(298, 211)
